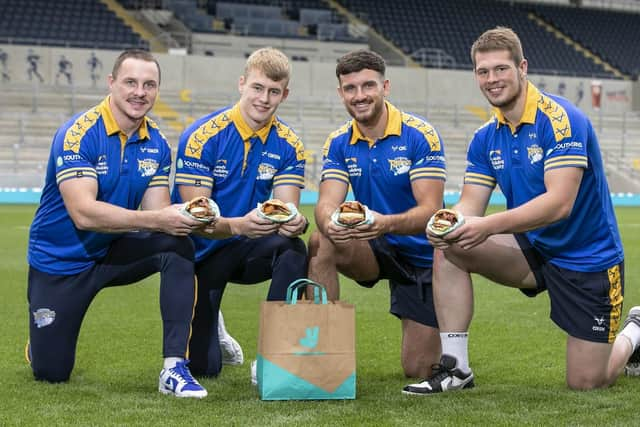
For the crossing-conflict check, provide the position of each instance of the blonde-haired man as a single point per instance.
(241, 156)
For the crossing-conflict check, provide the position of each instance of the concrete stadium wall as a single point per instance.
(314, 79)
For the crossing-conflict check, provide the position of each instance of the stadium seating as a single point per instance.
(266, 18)
(70, 23)
(447, 26)
(24, 147)
(606, 33)
(452, 26)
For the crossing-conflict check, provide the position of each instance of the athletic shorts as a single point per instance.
(410, 286)
(586, 305)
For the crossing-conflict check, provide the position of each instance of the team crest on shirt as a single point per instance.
(399, 165)
(496, 159)
(266, 172)
(534, 153)
(43, 317)
(147, 167)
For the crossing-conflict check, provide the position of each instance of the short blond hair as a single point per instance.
(499, 38)
(272, 62)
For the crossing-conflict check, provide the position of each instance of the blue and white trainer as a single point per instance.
(632, 369)
(179, 382)
(444, 377)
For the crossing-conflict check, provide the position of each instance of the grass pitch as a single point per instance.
(516, 352)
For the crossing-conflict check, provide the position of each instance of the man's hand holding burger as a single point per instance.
(441, 224)
(352, 220)
(290, 222)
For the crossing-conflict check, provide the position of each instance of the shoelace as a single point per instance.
(184, 373)
(439, 372)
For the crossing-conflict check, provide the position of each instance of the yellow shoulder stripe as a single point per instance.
(425, 128)
(207, 130)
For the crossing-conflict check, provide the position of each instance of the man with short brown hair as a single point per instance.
(105, 219)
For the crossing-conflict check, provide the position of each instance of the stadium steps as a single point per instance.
(27, 135)
(168, 114)
(577, 46)
(481, 113)
(155, 44)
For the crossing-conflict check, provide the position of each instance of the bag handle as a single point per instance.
(319, 292)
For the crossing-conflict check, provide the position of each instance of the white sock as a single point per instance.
(222, 331)
(170, 362)
(632, 333)
(456, 344)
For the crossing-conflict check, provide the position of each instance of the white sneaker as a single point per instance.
(231, 350)
(179, 382)
(254, 373)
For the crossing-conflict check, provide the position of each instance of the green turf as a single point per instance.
(516, 352)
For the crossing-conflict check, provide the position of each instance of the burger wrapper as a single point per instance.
(292, 208)
(448, 230)
(368, 218)
(214, 208)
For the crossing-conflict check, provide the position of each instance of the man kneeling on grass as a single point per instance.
(105, 219)
(559, 232)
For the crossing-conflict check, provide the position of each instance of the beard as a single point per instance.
(508, 102)
(368, 118)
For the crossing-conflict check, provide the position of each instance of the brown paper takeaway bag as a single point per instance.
(306, 349)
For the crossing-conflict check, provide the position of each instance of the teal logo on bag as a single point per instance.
(310, 341)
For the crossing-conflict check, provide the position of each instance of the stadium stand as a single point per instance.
(31, 113)
(267, 18)
(70, 23)
(605, 32)
(452, 26)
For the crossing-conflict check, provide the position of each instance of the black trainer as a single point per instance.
(632, 369)
(444, 377)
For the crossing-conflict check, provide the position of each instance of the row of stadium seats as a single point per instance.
(444, 26)
(30, 122)
(452, 26)
(70, 23)
(613, 35)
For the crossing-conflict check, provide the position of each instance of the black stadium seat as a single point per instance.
(453, 25)
(76, 23)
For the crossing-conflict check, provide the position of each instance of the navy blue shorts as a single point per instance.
(586, 305)
(410, 286)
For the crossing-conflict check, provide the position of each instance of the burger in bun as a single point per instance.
(276, 210)
(351, 213)
(202, 208)
(445, 221)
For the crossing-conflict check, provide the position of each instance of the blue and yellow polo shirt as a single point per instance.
(380, 172)
(91, 145)
(241, 166)
(552, 134)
